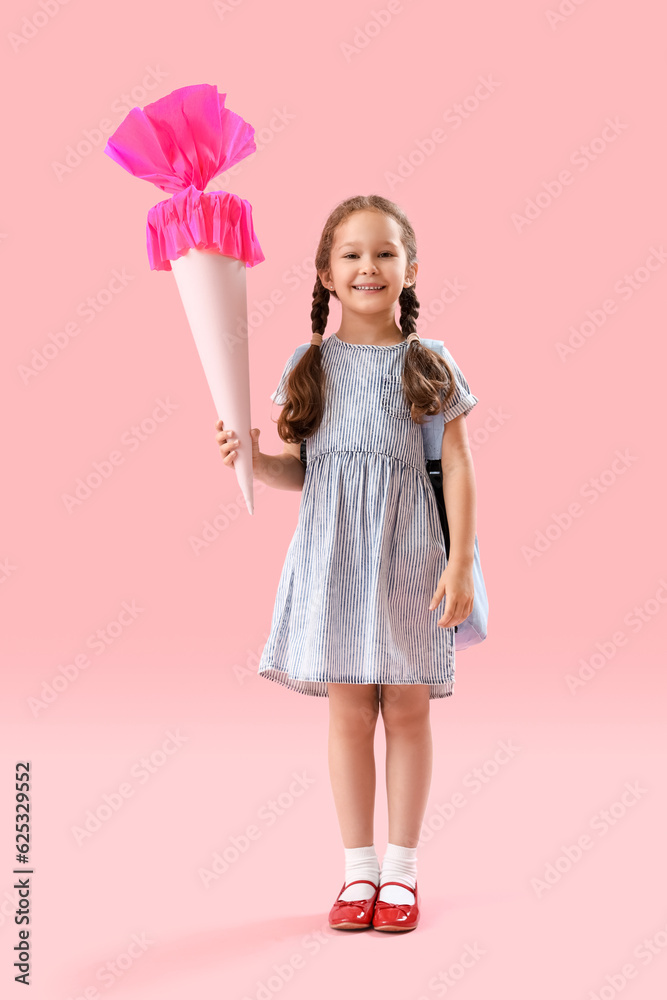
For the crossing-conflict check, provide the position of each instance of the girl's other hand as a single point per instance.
(456, 585)
(229, 445)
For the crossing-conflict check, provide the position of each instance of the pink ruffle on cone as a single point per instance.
(179, 143)
(216, 220)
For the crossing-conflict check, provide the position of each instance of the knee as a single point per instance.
(403, 711)
(355, 716)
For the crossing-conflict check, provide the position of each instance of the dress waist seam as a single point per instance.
(364, 451)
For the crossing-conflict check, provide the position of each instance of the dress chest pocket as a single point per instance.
(393, 400)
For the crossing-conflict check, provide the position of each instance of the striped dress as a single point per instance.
(368, 550)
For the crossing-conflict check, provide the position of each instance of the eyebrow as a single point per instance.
(385, 243)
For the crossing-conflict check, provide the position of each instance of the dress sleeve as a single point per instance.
(461, 400)
(280, 394)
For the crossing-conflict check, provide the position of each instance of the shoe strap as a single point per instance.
(354, 883)
(402, 885)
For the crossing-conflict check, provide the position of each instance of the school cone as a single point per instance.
(181, 143)
(213, 292)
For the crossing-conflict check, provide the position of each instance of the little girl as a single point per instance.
(358, 615)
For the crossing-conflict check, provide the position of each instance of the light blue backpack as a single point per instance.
(473, 629)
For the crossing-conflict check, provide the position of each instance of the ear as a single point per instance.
(325, 278)
(411, 273)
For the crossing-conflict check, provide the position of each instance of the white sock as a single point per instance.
(360, 862)
(398, 865)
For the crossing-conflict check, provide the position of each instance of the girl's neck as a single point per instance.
(373, 337)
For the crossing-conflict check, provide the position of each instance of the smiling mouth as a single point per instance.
(368, 288)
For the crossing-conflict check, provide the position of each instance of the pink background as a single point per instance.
(338, 104)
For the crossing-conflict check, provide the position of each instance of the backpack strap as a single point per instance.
(300, 351)
(433, 427)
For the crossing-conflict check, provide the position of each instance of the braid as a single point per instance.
(320, 308)
(427, 377)
(302, 414)
(409, 304)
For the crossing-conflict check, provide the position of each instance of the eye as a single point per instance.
(352, 254)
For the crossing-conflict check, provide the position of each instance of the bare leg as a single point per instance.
(353, 714)
(407, 723)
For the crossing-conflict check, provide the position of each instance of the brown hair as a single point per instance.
(425, 374)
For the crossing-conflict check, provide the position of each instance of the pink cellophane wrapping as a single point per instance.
(179, 143)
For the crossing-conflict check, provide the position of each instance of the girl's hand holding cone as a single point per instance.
(281, 472)
(229, 444)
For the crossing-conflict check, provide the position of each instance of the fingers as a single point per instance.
(227, 442)
(450, 608)
(454, 613)
(435, 600)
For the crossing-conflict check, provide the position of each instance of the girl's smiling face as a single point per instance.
(367, 251)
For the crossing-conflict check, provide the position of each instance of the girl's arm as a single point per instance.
(283, 472)
(459, 488)
(460, 493)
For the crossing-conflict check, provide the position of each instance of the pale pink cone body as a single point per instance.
(213, 292)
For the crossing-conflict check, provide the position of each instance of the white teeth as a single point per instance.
(368, 287)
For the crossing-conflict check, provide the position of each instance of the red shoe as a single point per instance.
(353, 914)
(396, 916)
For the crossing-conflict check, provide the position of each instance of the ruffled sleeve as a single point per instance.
(461, 400)
(179, 143)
